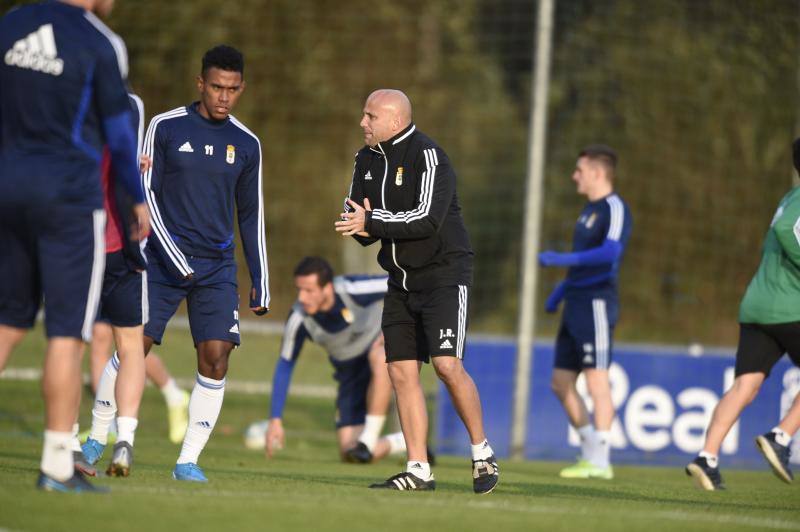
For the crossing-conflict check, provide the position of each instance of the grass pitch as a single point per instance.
(306, 488)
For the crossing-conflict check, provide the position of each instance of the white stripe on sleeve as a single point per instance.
(262, 234)
(617, 220)
(159, 229)
(290, 335)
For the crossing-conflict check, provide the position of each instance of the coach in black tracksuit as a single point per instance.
(404, 194)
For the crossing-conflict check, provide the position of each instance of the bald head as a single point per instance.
(386, 113)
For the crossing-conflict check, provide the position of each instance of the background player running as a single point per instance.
(343, 315)
(769, 326)
(591, 309)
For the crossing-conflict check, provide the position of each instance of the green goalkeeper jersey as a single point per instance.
(773, 295)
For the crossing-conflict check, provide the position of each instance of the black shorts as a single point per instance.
(353, 377)
(761, 346)
(124, 299)
(420, 325)
(55, 253)
(585, 338)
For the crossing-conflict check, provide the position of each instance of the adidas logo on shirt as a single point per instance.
(446, 345)
(368, 176)
(186, 147)
(37, 52)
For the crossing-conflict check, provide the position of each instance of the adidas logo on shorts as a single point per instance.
(37, 52)
(446, 344)
(368, 176)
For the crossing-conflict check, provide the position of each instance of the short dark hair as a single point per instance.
(223, 57)
(796, 154)
(602, 154)
(315, 265)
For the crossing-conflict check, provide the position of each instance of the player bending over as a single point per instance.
(343, 315)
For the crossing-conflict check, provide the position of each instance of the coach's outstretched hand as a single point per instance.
(352, 223)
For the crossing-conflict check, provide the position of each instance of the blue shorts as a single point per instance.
(353, 377)
(124, 299)
(585, 336)
(56, 253)
(212, 299)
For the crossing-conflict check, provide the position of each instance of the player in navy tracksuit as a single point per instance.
(206, 165)
(591, 309)
(62, 98)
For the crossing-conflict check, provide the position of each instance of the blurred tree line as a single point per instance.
(699, 98)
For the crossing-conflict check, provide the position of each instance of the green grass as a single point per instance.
(305, 487)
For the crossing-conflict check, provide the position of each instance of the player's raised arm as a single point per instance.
(430, 208)
(294, 335)
(154, 142)
(250, 205)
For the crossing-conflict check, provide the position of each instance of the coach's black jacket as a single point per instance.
(412, 191)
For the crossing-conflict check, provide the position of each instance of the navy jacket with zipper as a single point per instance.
(415, 213)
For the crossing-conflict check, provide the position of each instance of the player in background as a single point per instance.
(769, 326)
(62, 99)
(591, 308)
(343, 315)
(123, 305)
(206, 171)
(175, 398)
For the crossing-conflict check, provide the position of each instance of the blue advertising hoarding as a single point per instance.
(663, 398)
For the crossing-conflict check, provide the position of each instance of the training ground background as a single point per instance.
(305, 487)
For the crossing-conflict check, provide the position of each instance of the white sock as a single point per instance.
(373, 426)
(420, 469)
(601, 457)
(712, 459)
(397, 443)
(588, 438)
(57, 455)
(173, 395)
(127, 428)
(781, 437)
(105, 403)
(75, 442)
(482, 450)
(204, 406)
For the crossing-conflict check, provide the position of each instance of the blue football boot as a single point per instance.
(92, 451)
(75, 484)
(190, 472)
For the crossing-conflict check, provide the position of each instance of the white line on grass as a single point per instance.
(760, 523)
(246, 387)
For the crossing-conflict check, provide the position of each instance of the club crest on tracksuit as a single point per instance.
(230, 154)
(398, 177)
